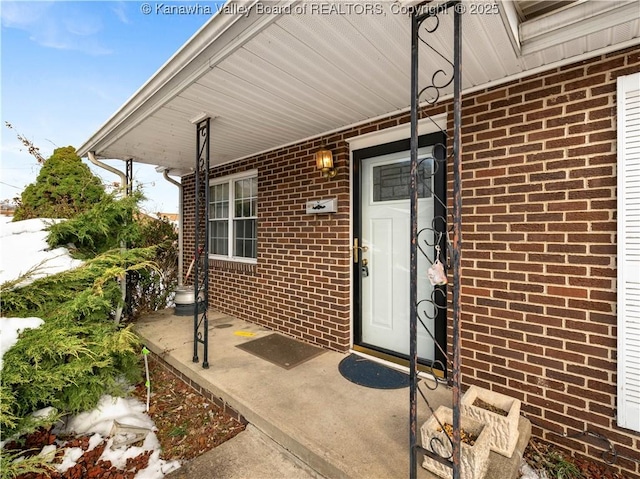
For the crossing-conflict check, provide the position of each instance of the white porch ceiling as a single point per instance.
(271, 80)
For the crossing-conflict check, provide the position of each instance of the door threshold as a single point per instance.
(424, 371)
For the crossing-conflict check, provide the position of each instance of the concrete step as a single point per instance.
(250, 454)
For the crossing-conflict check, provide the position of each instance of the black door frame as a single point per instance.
(440, 191)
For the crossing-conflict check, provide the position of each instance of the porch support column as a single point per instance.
(129, 175)
(420, 13)
(413, 265)
(457, 234)
(201, 243)
(128, 191)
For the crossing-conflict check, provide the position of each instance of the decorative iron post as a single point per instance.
(440, 80)
(129, 176)
(413, 265)
(128, 191)
(201, 244)
(457, 235)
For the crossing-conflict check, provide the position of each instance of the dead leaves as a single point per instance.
(188, 423)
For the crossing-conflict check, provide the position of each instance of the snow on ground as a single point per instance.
(101, 423)
(23, 246)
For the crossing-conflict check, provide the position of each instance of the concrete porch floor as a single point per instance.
(336, 428)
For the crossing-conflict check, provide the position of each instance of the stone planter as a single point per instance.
(503, 430)
(474, 459)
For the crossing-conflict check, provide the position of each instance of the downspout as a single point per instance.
(165, 173)
(123, 178)
(123, 181)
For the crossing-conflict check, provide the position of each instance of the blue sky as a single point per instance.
(66, 67)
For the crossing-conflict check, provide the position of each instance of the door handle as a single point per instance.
(357, 248)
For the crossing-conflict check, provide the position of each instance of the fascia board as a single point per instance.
(575, 22)
(205, 49)
(510, 20)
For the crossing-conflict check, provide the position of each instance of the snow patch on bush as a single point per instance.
(25, 249)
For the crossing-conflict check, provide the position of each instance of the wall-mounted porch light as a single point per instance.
(324, 162)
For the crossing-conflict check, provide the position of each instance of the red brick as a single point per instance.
(605, 66)
(564, 76)
(566, 120)
(565, 142)
(525, 86)
(585, 82)
(544, 113)
(541, 134)
(567, 292)
(545, 93)
(588, 104)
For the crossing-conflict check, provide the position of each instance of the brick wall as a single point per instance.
(300, 284)
(539, 249)
(539, 254)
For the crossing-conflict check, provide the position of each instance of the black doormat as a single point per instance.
(281, 350)
(371, 374)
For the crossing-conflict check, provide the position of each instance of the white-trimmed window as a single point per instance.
(233, 217)
(629, 251)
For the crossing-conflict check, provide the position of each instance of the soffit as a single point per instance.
(300, 76)
(529, 9)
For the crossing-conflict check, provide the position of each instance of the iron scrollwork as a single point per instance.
(434, 242)
(201, 244)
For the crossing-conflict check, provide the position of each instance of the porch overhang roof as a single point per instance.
(274, 73)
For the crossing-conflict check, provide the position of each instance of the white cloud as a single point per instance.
(120, 9)
(23, 15)
(69, 26)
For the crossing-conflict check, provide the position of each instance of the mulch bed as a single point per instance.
(537, 452)
(187, 425)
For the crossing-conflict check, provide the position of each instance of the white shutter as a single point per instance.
(629, 251)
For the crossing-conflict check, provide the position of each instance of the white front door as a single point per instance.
(385, 232)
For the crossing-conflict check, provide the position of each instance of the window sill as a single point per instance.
(237, 265)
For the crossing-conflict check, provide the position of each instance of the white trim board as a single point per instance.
(400, 132)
